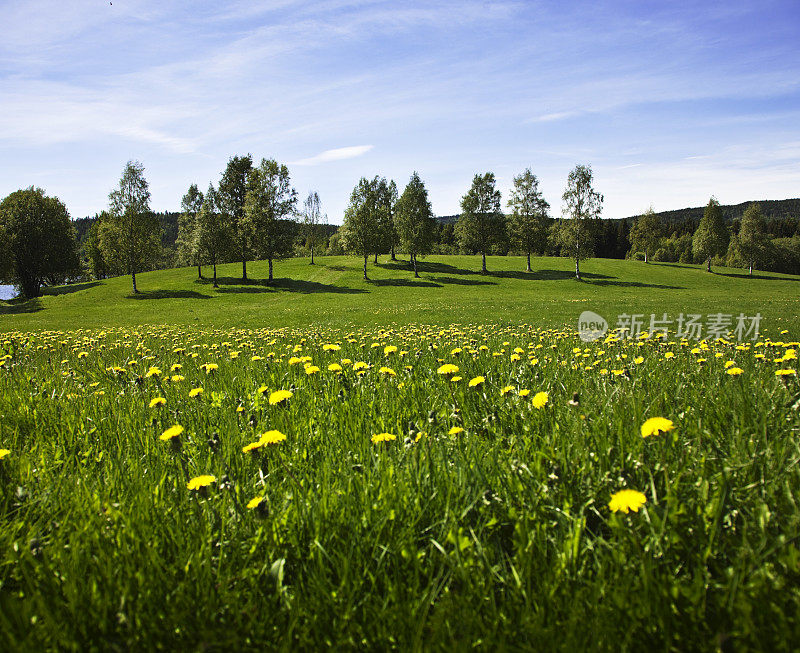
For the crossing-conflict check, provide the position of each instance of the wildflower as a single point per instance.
(255, 502)
(253, 446)
(456, 379)
(524, 392)
(176, 367)
(389, 349)
(194, 392)
(280, 396)
(311, 369)
(294, 360)
(177, 378)
(669, 354)
(788, 372)
(153, 371)
(656, 426)
(209, 367)
(157, 401)
(639, 360)
(334, 367)
(360, 365)
(257, 358)
(734, 371)
(478, 380)
(171, 432)
(383, 437)
(4, 453)
(199, 482)
(455, 430)
(540, 399)
(331, 347)
(626, 500)
(456, 351)
(388, 371)
(272, 437)
(505, 390)
(83, 354)
(447, 368)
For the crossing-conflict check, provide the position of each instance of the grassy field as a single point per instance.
(429, 467)
(333, 294)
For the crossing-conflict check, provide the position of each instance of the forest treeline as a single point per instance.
(254, 213)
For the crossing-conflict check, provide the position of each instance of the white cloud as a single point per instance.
(338, 154)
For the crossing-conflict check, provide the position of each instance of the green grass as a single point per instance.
(499, 536)
(333, 293)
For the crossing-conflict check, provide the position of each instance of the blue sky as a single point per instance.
(669, 102)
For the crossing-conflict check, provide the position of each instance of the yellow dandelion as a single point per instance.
(331, 347)
(253, 446)
(639, 360)
(194, 392)
(389, 349)
(272, 437)
(787, 372)
(734, 371)
(669, 354)
(383, 437)
(334, 367)
(455, 430)
(447, 368)
(199, 482)
(311, 369)
(157, 401)
(388, 371)
(209, 367)
(456, 379)
(83, 354)
(153, 371)
(656, 426)
(254, 502)
(626, 500)
(506, 389)
(256, 358)
(540, 399)
(524, 392)
(478, 380)
(4, 453)
(177, 378)
(280, 396)
(171, 432)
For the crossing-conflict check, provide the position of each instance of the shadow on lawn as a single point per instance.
(20, 306)
(66, 290)
(233, 285)
(168, 294)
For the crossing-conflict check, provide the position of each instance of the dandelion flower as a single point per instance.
(4, 453)
(506, 390)
(383, 437)
(153, 371)
(388, 371)
(194, 392)
(209, 367)
(177, 378)
(540, 399)
(478, 380)
(311, 369)
(639, 360)
(254, 502)
(199, 482)
(389, 349)
(787, 372)
(524, 392)
(455, 430)
(334, 367)
(734, 371)
(157, 401)
(331, 347)
(447, 368)
(456, 379)
(656, 426)
(253, 446)
(280, 396)
(171, 432)
(626, 500)
(83, 354)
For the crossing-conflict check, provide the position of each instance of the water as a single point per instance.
(7, 292)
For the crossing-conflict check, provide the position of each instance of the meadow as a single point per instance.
(476, 478)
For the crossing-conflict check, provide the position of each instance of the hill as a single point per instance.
(332, 293)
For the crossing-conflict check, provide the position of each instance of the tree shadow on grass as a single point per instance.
(237, 286)
(168, 294)
(552, 275)
(756, 275)
(456, 281)
(66, 290)
(635, 284)
(408, 283)
(20, 306)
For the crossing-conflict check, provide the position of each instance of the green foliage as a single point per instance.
(213, 231)
(752, 242)
(414, 220)
(188, 247)
(646, 233)
(387, 200)
(232, 193)
(312, 222)
(529, 214)
(481, 224)
(37, 242)
(361, 229)
(711, 237)
(131, 234)
(582, 208)
(93, 250)
(269, 200)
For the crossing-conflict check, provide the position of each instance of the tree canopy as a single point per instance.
(711, 237)
(529, 212)
(480, 224)
(582, 208)
(414, 221)
(361, 231)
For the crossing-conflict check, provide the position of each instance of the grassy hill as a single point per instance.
(332, 293)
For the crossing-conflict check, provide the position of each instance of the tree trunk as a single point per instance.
(376, 258)
(414, 261)
(133, 276)
(708, 264)
(577, 269)
(365, 265)
(312, 255)
(199, 271)
(244, 269)
(751, 268)
(394, 258)
(529, 262)
(270, 268)
(483, 262)
(645, 257)
(215, 273)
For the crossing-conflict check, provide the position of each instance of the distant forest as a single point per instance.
(782, 219)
